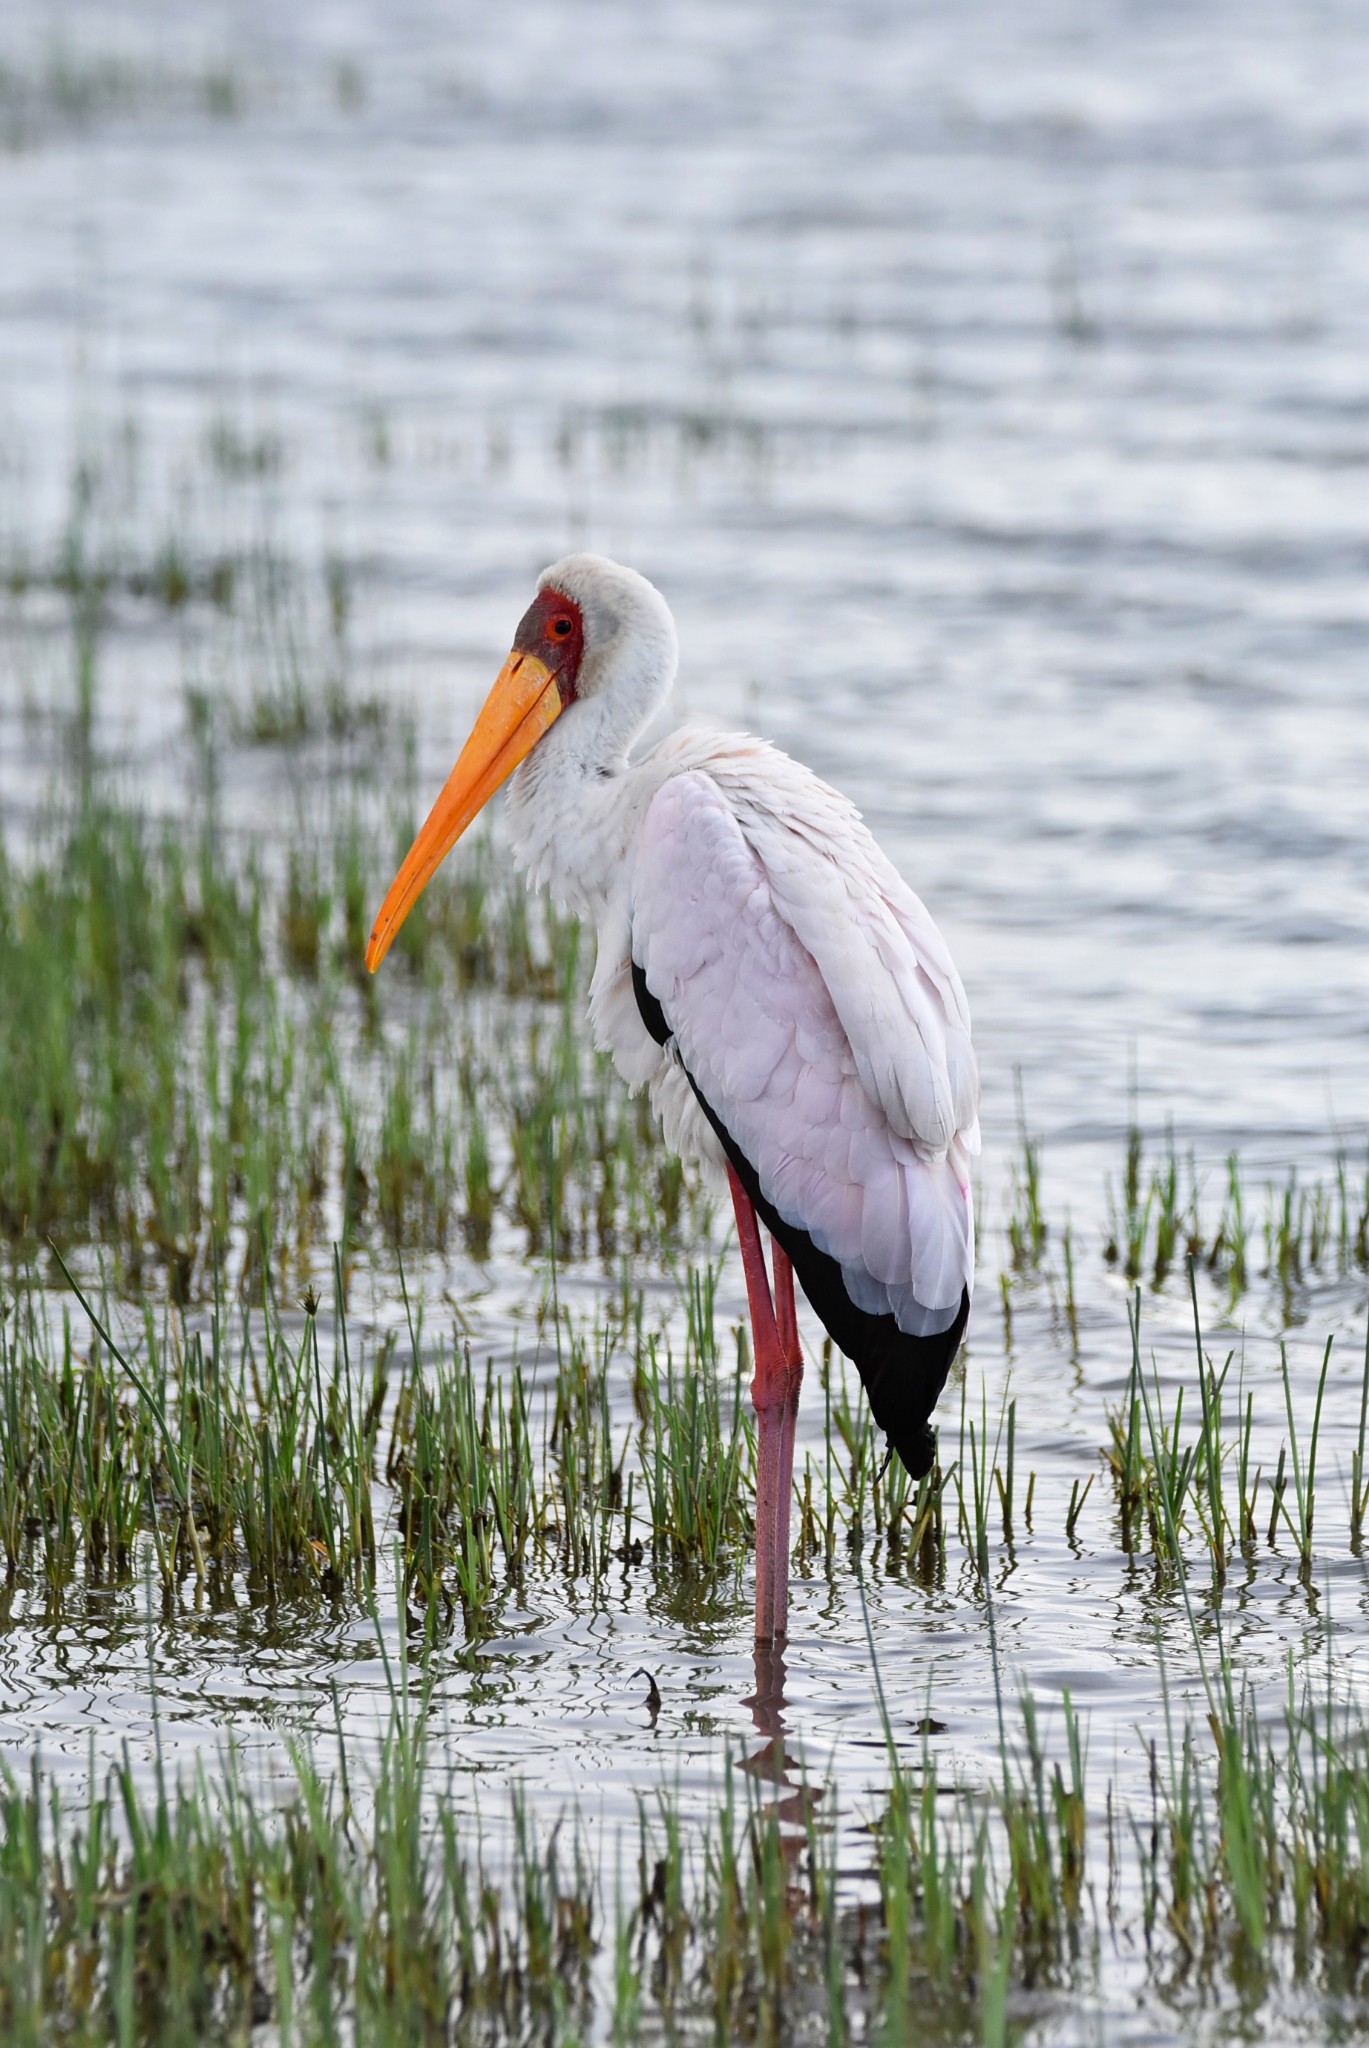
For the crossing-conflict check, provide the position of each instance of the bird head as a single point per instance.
(596, 633)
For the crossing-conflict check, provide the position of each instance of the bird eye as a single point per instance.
(561, 627)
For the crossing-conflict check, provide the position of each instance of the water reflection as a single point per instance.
(772, 1767)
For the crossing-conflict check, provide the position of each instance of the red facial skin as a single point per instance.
(553, 629)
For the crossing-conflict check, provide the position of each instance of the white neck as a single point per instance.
(575, 803)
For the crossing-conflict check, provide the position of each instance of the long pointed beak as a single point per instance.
(524, 702)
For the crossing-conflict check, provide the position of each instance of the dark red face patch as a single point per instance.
(553, 629)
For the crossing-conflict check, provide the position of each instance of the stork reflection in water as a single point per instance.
(767, 974)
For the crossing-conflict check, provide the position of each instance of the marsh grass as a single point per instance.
(1266, 1833)
(77, 83)
(1291, 1235)
(250, 1458)
(191, 1065)
(273, 1445)
(1308, 1229)
(1027, 1226)
(208, 1109)
(363, 1899)
(1201, 1478)
(279, 1449)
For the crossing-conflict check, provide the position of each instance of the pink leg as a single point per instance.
(775, 1396)
(787, 1324)
(786, 1320)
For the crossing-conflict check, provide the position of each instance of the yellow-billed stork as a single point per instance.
(765, 971)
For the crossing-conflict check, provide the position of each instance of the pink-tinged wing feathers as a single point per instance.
(830, 1039)
(886, 966)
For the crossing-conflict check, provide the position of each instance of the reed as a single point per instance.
(1359, 1485)
(1027, 1228)
(1304, 1473)
(979, 1462)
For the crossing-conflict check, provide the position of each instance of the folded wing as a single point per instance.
(816, 1010)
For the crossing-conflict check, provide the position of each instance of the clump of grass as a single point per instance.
(1170, 1480)
(416, 1175)
(96, 1116)
(1156, 1468)
(467, 1485)
(1315, 1228)
(1227, 1251)
(1027, 1227)
(699, 1453)
(259, 1446)
(988, 1480)
(259, 1457)
(239, 453)
(1304, 1471)
(1153, 1223)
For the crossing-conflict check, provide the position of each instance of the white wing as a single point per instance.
(815, 1005)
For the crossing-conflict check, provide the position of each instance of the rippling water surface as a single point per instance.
(988, 391)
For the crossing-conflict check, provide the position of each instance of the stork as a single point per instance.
(767, 974)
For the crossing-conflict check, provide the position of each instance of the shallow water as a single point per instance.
(989, 395)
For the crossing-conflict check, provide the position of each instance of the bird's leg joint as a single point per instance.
(775, 1390)
(776, 1385)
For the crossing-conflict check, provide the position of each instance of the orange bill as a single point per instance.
(524, 702)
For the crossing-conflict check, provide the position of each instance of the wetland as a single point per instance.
(376, 1471)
